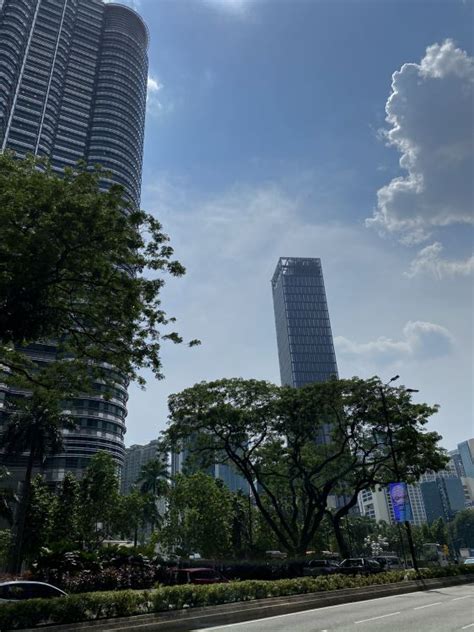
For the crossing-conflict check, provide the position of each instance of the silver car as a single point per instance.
(21, 590)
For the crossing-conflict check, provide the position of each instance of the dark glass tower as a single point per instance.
(304, 337)
(73, 80)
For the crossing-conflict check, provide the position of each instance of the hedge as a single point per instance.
(103, 605)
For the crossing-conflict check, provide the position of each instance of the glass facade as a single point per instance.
(73, 81)
(305, 345)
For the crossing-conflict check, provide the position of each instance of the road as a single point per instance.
(440, 610)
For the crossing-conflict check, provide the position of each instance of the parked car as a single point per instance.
(315, 568)
(196, 576)
(469, 560)
(359, 566)
(21, 590)
(389, 562)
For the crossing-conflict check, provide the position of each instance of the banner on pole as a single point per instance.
(400, 501)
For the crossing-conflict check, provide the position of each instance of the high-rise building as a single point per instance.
(305, 345)
(73, 80)
(136, 456)
(227, 473)
(466, 453)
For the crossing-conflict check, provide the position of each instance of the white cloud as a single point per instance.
(420, 340)
(134, 4)
(235, 7)
(430, 116)
(153, 100)
(429, 261)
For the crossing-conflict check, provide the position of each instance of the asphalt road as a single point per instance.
(440, 610)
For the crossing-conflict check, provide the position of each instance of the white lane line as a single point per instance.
(471, 625)
(465, 597)
(382, 616)
(428, 605)
(292, 614)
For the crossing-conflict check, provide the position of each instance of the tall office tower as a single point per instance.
(73, 80)
(136, 456)
(304, 338)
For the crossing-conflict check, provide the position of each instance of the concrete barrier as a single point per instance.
(239, 612)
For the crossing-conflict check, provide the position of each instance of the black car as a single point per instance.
(359, 566)
(315, 568)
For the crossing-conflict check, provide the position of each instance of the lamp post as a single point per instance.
(395, 462)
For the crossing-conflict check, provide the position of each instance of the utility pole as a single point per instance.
(396, 467)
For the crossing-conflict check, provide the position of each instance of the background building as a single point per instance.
(305, 345)
(227, 473)
(136, 456)
(377, 504)
(73, 81)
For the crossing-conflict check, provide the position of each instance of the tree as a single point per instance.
(8, 497)
(462, 529)
(153, 478)
(131, 514)
(296, 446)
(199, 516)
(153, 483)
(439, 531)
(39, 518)
(78, 266)
(34, 425)
(65, 527)
(99, 500)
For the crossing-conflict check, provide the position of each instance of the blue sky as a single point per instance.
(276, 129)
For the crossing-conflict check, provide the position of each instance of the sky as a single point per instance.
(333, 129)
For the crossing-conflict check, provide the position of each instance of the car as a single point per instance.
(359, 566)
(21, 590)
(389, 562)
(469, 560)
(315, 568)
(196, 576)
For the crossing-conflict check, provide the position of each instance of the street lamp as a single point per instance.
(395, 461)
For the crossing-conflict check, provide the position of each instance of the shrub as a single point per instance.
(91, 606)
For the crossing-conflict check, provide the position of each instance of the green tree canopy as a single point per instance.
(99, 499)
(80, 267)
(462, 528)
(295, 446)
(199, 516)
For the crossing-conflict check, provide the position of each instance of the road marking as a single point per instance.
(465, 597)
(428, 605)
(382, 616)
(215, 628)
(471, 625)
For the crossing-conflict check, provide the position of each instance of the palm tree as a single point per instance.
(154, 478)
(153, 482)
(34, 426)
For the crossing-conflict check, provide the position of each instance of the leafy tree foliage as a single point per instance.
(34, 426)
(298, 447)
(199, 517)
(99, 499)
(65, 527)
(463, 529)
(81, 267)
(39, 518)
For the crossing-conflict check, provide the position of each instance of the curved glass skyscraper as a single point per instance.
(73, 81)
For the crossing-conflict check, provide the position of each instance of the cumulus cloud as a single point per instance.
(153, 100)
(420, 340)
(429, 261)
(429, 112)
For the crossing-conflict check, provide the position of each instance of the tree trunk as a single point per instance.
(341, 543)
(16, 555)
